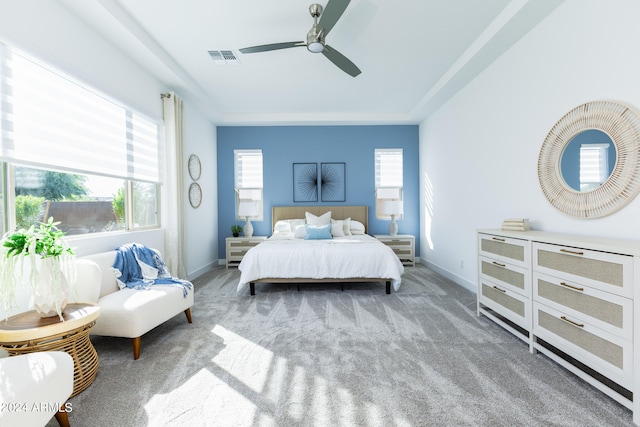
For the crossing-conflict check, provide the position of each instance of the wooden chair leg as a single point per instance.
(136, 347)
(187, 312)
(62, 417)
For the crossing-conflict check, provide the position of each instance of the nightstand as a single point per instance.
(238, 246)
(403, 245)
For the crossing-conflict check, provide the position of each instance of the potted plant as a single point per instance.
(41, 259)
(236, 230)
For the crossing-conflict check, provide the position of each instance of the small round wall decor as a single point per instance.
(195, 168)
(195, 194)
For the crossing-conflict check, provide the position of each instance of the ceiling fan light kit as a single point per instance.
(315, 47)
(315, 41)
(316, 36)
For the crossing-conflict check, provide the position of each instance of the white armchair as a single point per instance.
(35, 387)
(127, 313)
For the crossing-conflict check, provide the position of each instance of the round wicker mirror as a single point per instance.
(621, 123)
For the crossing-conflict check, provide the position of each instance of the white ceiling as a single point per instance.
(414, 54)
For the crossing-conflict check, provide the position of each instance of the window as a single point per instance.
(389, 182)
(73, 153)
(594, 165)
(248, 181)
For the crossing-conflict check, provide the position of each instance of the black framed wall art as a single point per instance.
(332, 182)
(305, 182)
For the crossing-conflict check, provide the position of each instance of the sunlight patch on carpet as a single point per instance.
(245, 360)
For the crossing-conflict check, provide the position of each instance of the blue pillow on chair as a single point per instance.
(318, 232)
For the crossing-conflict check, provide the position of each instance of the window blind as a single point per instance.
(388, 167)
(248, 169)
(388, 179)
(51, 121)
(248, 180)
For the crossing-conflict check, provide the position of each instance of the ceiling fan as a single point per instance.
(316, 36)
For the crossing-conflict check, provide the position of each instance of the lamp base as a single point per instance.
(393, 226)
(248, 228)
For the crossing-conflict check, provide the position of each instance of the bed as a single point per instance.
(288, 257)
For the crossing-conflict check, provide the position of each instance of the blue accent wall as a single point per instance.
(284, 145)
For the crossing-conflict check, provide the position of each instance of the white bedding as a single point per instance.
(285, 257)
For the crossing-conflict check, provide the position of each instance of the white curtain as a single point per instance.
(174, 200)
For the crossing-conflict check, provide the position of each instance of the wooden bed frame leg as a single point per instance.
(136, 347)
(252, 288)
(388, 286)
(187, 312)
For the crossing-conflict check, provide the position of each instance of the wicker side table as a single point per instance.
(28, 332)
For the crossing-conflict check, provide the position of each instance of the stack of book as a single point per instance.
(516, 224)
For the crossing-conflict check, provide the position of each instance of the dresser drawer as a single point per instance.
(505, 249)
(507, 303)
(608, 354)
(243, 243)
(506, 275)
(601, 270)
(237, 253)
(609, 312)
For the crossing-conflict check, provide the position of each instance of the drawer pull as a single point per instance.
(497, 239)
(575, 288)
(571, 252)
(580, 325)
(498, 289)
(498, 264)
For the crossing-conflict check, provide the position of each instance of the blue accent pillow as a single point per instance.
(318, 232)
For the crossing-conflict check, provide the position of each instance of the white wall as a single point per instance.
(479, 152)
(48, 31)
(202, 223)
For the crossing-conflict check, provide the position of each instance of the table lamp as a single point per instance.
(247, 210)
(393, 208)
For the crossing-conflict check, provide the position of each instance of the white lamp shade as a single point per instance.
(392, 207)
(247, 209)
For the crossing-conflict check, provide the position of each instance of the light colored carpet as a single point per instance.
(326, 357)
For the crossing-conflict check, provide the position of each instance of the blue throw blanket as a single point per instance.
(138, 267)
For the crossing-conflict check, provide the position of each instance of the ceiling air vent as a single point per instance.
(224, 57)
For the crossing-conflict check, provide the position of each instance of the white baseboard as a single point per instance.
(205, 269)
(451, 276)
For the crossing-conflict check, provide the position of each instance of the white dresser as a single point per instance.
(574, 298)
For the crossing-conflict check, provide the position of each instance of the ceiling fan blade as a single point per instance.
(332, 12)
(273, 46)
(341, 61)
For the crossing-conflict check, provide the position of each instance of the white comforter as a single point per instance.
(360, 256)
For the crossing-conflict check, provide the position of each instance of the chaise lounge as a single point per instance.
(127, 313)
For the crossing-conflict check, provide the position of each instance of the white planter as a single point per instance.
(51, 288)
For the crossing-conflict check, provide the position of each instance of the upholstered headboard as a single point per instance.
(358, 213)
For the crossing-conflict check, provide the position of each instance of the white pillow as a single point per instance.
(295, 222)
(282, 227)
(356, 227)
(347, 226)
(323, 219)
(337, 228)
(300, 231)
(286, 227)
